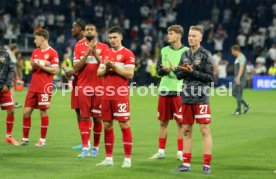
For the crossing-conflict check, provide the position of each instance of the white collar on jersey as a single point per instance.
(46, 49)
(88, 45)
(118, 49)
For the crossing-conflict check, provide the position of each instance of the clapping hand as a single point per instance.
(109, 64)
(166, 69)
(186, 67)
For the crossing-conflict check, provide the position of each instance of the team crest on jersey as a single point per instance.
(98, 51)
(119, 57)
(46, 56)
(197, 61)
(2, 59)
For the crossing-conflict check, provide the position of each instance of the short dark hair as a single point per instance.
(13, 46)
(198, 28)
(115, 29)
(177, 29)
(43, 33)
(91, 24)
(81, 23)
(236, 47)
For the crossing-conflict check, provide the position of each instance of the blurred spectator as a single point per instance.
(222, 73)
(241, 40)
(20, 65)
(272, 33)
(27, 76)
(246, 22)
(273, 7)
(144, 10)
(227, 13)
(50, 20)
(154, 77)
(216, 59)
(230, 71)
(67, 62)
(148, 71)
(219, 38)
(250, 71)
(215, 12)
(272, 54)
(253, 41)
(261, 59)
(260, 69)
(146, 47)
(222, 69)
(272, 70)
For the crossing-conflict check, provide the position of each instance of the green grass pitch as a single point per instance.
(244, 147)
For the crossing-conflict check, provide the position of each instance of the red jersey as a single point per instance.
(74, 82)
(88, 75)
(116, 86)
(40, 78)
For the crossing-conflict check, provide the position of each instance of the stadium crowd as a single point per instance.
(144, 24)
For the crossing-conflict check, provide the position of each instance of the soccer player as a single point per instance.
(239, 79)
(86, 62)
(45, 63)
(116, 68)
(196, 69)
(77, 31)
(6, 101)
(170, 88)
(13, 51)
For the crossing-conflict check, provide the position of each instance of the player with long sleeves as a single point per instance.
(6, 101)
(196, 69)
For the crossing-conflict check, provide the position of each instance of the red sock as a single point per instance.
(180, 144)
(44, 127)
(187, 157)
(97, 129)
(9, 122)
(90, 125)
(84, 130)
(162, 143)
(127, 141)
(26, 126)
(207, 159)
(109, 141)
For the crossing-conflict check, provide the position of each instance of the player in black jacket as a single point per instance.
(196, 69)
(6, 101)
